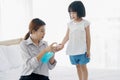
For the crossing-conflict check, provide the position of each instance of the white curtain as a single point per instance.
(14, 18)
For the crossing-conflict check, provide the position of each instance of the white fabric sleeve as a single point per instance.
(86, 24)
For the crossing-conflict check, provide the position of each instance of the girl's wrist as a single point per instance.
(61, 44)
(88, 51)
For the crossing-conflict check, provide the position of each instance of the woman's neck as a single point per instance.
(35, 41)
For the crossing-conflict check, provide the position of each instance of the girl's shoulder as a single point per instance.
(86, 22)
(70, 22)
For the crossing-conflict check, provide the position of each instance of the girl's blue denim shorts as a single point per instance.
(79, 59)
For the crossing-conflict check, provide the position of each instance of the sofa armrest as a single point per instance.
(11, 42)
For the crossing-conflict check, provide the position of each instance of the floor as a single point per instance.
(68, 73)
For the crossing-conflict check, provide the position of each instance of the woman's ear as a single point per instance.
(33, 31)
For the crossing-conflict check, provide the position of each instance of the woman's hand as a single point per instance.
(51, 47)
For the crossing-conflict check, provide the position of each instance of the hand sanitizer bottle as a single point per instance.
(46, 57)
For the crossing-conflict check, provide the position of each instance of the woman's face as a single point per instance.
(40, 33)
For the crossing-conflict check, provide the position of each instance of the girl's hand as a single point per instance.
(88, 54)
(59, 47)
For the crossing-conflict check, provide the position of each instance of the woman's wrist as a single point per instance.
(39, 56)
(52, 60)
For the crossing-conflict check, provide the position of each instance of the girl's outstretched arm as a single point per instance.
(65, 39)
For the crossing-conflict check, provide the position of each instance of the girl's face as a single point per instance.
(39, 34)
(73, 15)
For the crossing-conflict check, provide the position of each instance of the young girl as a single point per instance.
(78, 34)
(33, 48)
